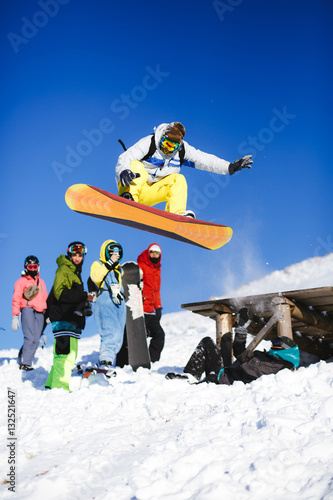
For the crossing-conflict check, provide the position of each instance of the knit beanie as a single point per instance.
(175, 131)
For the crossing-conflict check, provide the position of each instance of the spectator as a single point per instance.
(110, 309)
(150, 264)
(29, 299)
(69, 307)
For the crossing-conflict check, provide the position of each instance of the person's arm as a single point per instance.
(206, 161)
(17, 297)
(239, 345)
(135, 152)
(212, 163)
(98, 272)
(66, 290)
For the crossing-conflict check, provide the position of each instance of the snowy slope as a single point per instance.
(146, 438)
(311, 273)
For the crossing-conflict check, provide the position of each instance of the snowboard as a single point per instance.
(93, 375)
(87, 371)
(95, 202)
(135, 331)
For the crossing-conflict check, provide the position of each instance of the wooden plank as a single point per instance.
(264, 332)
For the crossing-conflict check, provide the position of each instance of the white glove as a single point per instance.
(116, 294)
(94, 296)
(15, 323)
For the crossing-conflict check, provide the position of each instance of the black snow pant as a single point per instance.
(156, 332)
(206, 358)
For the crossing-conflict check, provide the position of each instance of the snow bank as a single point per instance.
(311, 273)
(140, 436)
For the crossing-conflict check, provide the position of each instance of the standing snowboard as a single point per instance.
(138, 354)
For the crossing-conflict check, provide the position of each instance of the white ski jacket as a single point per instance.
(161, 165)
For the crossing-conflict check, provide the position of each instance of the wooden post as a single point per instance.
(284, 328)
(224, 336)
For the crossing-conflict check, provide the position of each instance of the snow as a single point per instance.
(310, 273)
(139, 436)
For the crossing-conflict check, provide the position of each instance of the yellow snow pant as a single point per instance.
(172, 189)
(61, 371)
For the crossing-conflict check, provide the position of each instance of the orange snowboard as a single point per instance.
(89, 200)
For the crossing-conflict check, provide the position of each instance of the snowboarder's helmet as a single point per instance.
(76, 247)
(31, 265)
(113, 248)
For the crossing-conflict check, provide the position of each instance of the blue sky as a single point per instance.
(243, 77)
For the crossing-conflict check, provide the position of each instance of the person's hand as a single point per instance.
(127, 177)
(237, 165)
(240, 334)
(116, 294)
(91, 297)
(15, 323)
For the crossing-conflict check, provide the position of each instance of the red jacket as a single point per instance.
(151, 281)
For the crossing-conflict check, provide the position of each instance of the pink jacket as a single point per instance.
(38, 303)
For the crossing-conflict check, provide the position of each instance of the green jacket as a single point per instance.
(69, 295)
(65, 276)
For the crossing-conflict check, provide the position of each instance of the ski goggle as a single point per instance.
(32, 267)
(155, 251)
(169, 145)
(80, 249)
(114, 250)
(279, 343)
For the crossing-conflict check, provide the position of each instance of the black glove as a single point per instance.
(240, 163)
(109, 264)
(240, 333)
(127, 176)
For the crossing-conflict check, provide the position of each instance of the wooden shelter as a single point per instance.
(303, 315)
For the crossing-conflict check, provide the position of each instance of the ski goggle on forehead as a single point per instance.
(169, 145)
(80, 249)
(113, 249)
(32, 267)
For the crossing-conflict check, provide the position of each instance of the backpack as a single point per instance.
(152, 149)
